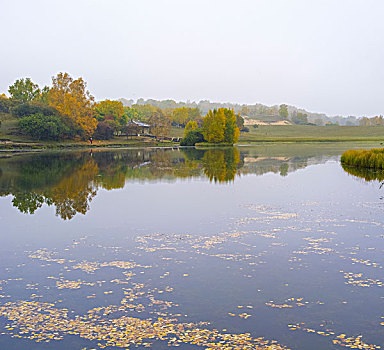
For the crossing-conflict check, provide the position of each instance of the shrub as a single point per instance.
(244, 129)
(45, 127)
(192, 137)
(28, 109)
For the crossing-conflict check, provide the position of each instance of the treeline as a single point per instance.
(255, 111)
(67, 110)
(374, 121)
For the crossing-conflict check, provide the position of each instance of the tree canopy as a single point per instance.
(220, 126)
(24, 90)
(72, 100)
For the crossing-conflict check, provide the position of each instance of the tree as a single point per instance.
(111, 112)
(5, 104)
(45, 127)
(146, 111)
(73, 101)
(214, 125)
(220, 126)
(239, 121)
(109, 108)
(26, 109)
(24, 90)
(364, 121)
(191, 138)
(104, 131)
(300, 118)
(191, 125)
(231, 131)
(132, 113)
(160, 125)
(180, 115)
(283, 112)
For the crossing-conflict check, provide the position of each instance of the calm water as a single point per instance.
(263, 247)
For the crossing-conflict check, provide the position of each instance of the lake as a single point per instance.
(271, 246)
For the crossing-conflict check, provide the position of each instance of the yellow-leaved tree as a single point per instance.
(191, 125)
(219, 126)
(214, 125)
(73, 101)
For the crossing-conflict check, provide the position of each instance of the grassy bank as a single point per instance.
(309, 133)
(10, 138)
(373, 158)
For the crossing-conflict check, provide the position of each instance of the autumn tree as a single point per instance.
(220, 126)
(107, 108)
(160, 125)
(214, 124)
(73, 101)
(182, 115)
(24, 90)
(145, 112)
(191, 125)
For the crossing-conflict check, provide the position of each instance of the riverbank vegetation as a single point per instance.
(219, 127)
(67, 111)
(373, 158)
(66, 114)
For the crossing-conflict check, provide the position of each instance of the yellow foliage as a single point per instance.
(72, 100)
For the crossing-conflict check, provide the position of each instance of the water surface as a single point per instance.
(263, 247)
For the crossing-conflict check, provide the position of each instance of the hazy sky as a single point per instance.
(325, 56)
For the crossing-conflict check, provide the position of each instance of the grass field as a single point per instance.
(309, 133)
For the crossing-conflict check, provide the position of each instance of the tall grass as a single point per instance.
(373, 158)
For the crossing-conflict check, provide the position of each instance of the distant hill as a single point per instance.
(258, 111)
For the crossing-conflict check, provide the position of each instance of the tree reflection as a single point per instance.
(70, 180)
(365, 173)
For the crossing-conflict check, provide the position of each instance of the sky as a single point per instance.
(324, 56)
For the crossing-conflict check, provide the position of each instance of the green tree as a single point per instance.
(43, 127)
(5, 104)
(283, 112)
(231, 131)
(24, 90)
(300, 118)
(132, 113)
(191, 138)
(27, 109)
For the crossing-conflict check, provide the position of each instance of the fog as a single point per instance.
(324, 56)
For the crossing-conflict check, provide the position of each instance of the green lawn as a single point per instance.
(298, 133)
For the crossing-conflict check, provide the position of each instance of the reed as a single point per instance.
(360, 158)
